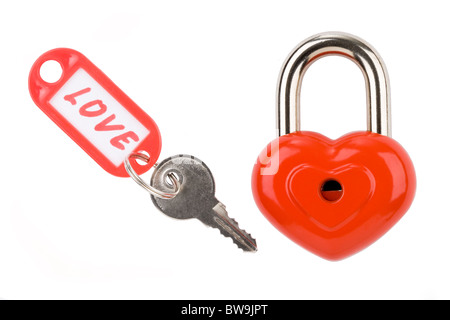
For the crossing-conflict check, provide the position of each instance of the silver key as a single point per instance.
(196, 198)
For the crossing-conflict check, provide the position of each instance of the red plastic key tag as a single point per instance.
(95, 113)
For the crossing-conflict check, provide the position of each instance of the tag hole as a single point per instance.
(51, 71)
(140, 161)
(331, 190)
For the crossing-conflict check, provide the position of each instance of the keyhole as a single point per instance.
(331, 190)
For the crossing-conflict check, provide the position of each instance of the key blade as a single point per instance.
(230, 228)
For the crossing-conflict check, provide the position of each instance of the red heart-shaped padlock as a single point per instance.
(334, 197)
(378, 185)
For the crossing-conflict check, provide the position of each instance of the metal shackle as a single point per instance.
(342, 44)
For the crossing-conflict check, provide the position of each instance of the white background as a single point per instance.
(206, 72)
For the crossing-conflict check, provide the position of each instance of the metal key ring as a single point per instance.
(153, 191)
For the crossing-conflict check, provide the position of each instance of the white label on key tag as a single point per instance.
(99, 117)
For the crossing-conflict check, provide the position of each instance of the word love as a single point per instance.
(89, 110)
(99, 117)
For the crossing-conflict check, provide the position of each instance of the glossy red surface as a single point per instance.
(378, 186)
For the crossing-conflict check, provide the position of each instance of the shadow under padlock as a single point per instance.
(333, 197)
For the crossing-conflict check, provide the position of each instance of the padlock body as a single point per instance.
(377, 185)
